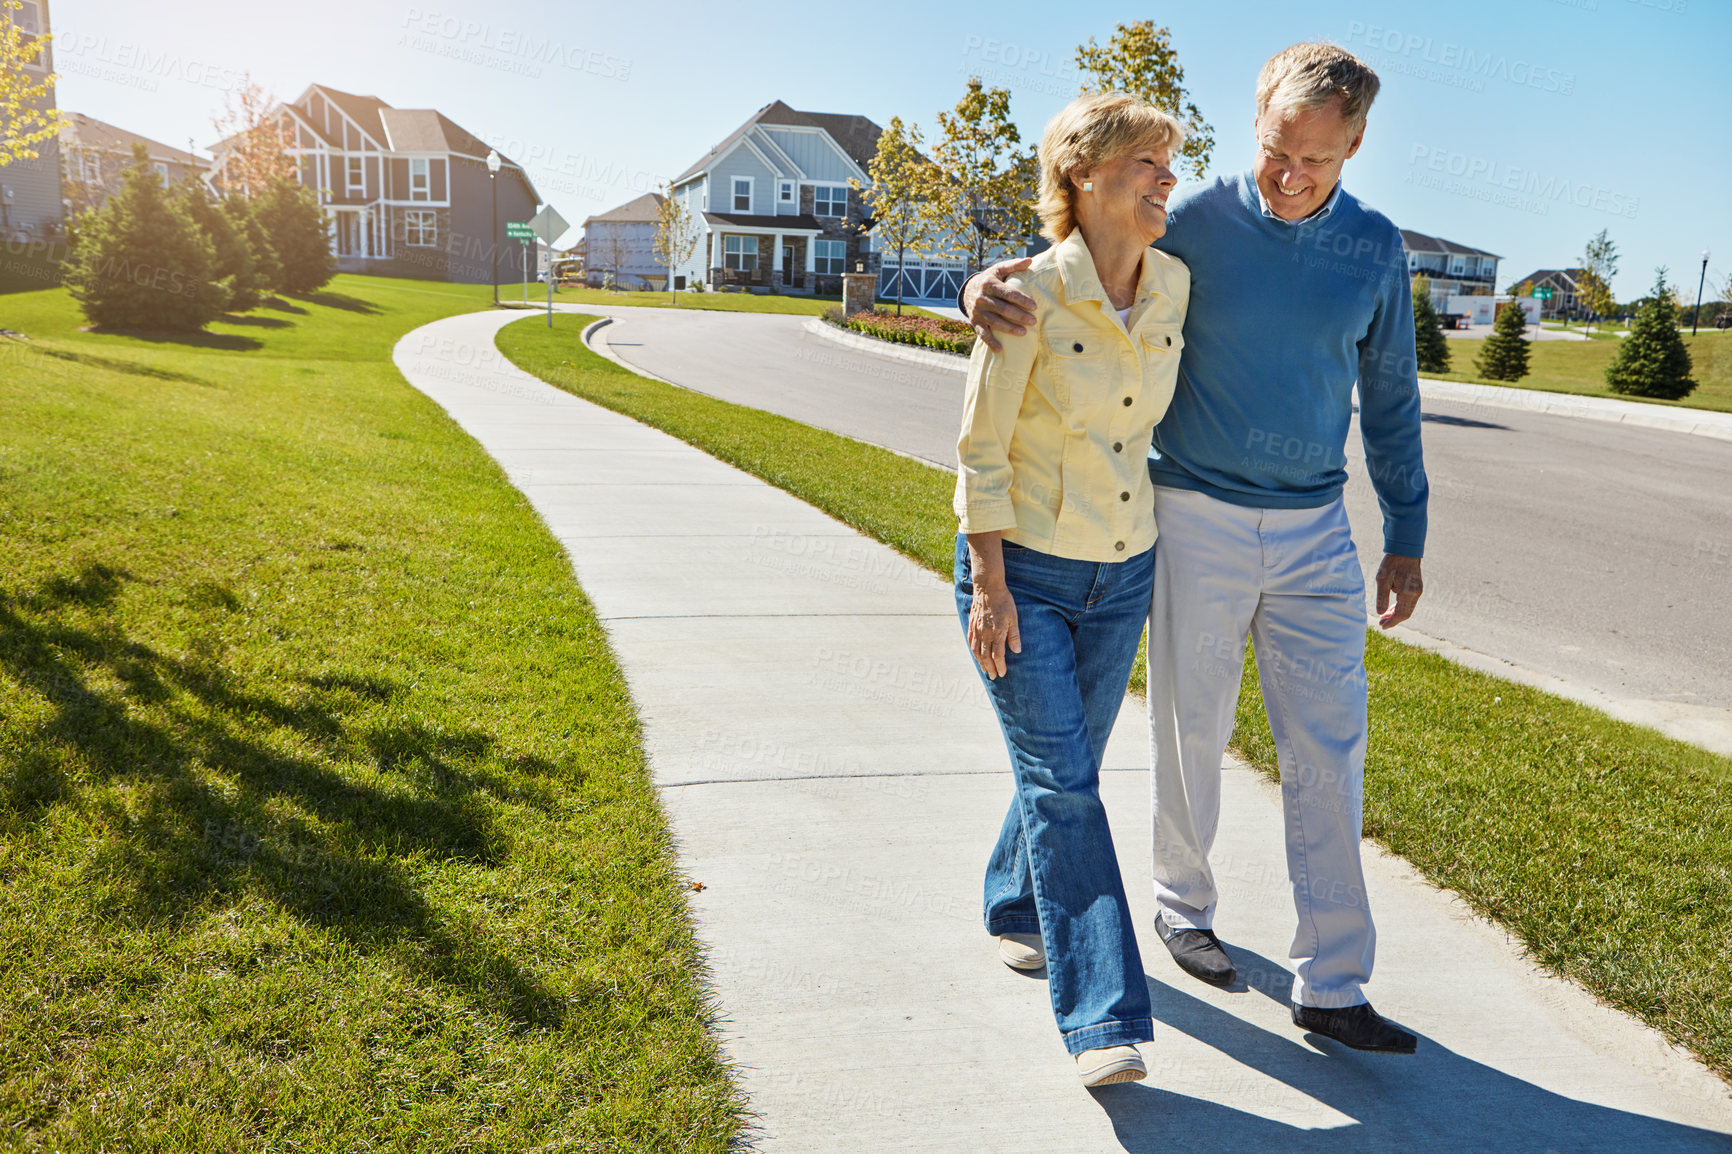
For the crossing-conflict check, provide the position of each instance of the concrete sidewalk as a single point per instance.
(834, 778)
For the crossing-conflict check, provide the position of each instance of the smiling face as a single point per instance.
(1129, 195)
(1300, 154)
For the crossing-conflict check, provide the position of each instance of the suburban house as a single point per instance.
(774, 206)
(407, 189)
(1453, 269)
(619, 246)
(1565, 284)
(93, 154)
(30, 204)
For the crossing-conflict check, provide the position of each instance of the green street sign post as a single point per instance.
(524, 232)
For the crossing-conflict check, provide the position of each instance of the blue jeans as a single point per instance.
(1054, 872)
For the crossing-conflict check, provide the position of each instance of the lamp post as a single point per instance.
(1696, 316)
(493, 243)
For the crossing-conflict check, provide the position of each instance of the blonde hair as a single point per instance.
(1092, 129)
(1308, 76)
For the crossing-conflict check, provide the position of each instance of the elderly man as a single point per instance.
(1298, 292)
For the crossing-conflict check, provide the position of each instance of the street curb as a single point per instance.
(931, 358)
(591, 330)
(1697, 422)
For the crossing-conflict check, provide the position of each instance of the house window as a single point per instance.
(829, 256)
(742, 194)
(421, 228)
(785, 192)
(830, 200)
(357, 182)
(419, 183)
(1457, 267)
(29, 21)
(161, 170)
(740, 252)
(92, 168)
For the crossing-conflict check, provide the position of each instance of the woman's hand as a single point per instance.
(992, 614)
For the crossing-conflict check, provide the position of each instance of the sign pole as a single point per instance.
(525, 245)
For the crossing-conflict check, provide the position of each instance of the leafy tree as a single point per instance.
(676, 234)
(902, 188)
(253, 154)
(266, 272)
(1599, 266)
(1428, 338)
(984, 195)
(1652, 361)
(231, 253)
(1505, 355)
(28, 115)
(299, 236)
(1140, 59)
(141, 262)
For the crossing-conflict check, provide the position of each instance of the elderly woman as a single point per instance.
(1055, 555)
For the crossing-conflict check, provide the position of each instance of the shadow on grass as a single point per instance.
(256, 322)
(283, 306)
(130, 368)
(336, 300)
(215, 764)
(225, 342)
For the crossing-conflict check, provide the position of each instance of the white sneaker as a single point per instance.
(1109, 1065)
(1021, 951)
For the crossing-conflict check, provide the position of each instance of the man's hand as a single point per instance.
(990, 304)
(1399, 575)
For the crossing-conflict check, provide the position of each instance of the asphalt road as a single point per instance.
(1579, 549)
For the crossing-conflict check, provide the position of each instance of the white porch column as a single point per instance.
(776, 254)
(811, 255)
(715, 252)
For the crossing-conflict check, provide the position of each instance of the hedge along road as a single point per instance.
(1594, 553)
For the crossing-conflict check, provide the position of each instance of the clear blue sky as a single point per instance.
(1517, 126)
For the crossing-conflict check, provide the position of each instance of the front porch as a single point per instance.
(764, 260)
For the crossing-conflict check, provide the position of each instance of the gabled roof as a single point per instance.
(1419, 242)
(857, 136)
(89, 132)
(1567, 278)
(646, 209)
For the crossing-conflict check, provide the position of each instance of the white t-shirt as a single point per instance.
(1125, 316)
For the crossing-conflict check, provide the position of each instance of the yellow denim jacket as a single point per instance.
(1056, 428)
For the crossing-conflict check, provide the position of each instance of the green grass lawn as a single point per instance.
(1580, 367)
(729, 302)
(1605, 846)
(324, 820)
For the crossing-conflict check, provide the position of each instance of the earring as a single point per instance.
(1088, 186)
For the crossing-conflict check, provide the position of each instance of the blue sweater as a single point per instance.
(1284, 318)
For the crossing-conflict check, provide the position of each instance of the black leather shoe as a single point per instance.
(1198, 953)
(1359, 1027)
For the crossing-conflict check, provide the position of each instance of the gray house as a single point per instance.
(774, 205)
(1453, 269)
(93, 154)
(407, 189)
(619, 246)
(30, 203)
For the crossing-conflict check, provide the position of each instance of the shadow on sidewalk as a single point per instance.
(1435, 1100)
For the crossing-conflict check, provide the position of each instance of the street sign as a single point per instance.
(548, 224)
(519, 230)
(1543, 294)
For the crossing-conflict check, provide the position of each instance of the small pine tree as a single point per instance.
(141, 262)
(267, 273)
(299, 234)
(1505, 355)
(1428, 338)
(231, 254)
(1652, 361)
